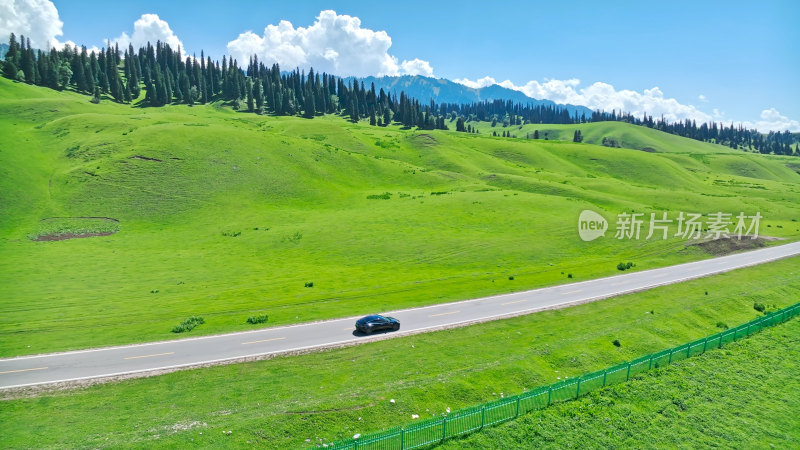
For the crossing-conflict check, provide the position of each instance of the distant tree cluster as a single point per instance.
(87, 73)
(167, 78)
(737, 137)
(508, 112)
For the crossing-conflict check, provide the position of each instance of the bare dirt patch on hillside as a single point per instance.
(64, 228)
(725, 246)
(424, 139)
(145, 158)
(65, 236)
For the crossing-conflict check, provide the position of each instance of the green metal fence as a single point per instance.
(431, 431)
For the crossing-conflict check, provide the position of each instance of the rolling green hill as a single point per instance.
(224, 215)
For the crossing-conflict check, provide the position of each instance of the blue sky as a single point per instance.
(743, 58)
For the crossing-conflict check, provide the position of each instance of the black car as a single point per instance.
(375, 322)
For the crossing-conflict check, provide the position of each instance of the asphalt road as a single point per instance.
(115, 361)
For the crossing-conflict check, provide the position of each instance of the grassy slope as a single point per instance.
(328, 395)
(296, 190)
(745, 396)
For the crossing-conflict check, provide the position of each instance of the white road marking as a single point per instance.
(264, 340)
(444, 314)
(23, 370)
(572, 292)
(150, 356)
(511, 303)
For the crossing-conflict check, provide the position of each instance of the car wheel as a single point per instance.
(396, 327)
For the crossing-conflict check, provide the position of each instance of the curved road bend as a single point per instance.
(113, 361)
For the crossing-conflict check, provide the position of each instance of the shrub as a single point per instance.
(384, 196)
(309, 284)
(616, 343)
(569, 275)
(257, 319)
(511, 277)
(722, 325)
(188, 324)
(759, 307)
(231, 233)
(625, 266)
(439, 193)
(294, 238)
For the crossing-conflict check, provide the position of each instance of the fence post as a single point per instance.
(747, 333)
(444, 428)
(402, 438)
(604, 377)
(670, 357)
(688, 350)
(483, 416)
(355, 444)
(517, 414)
(628, 376)
(549, 394)
(578, 391)
(705, 344)
(650, 366)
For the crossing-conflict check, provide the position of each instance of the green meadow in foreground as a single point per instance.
(745, 396)
(297, 401)
(203, 211)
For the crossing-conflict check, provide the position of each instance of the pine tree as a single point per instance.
(12, 54)
(116, 89)
(96, 95)
(460, 124)
(64, 75)
(28, 64)
(10, 69)
(249, 89)
(258, 95)
(309, 108)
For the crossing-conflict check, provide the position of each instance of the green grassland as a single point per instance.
(745, 396)
(299, 401)
(225, 215)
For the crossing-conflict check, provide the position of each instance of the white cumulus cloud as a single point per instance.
(37, 20)
(334, 43)
(149, 28)
(477, 84)
(601, 96)
(416, 67)
(772, 120)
